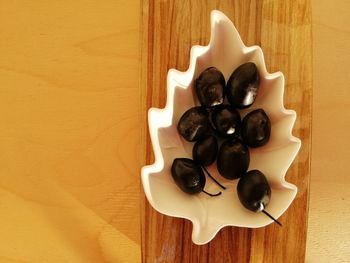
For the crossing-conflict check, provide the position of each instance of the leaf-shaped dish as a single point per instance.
(225, 51)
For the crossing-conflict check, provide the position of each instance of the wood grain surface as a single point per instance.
(329, 217)
(69, 133)
(283, 30)
(71, 110)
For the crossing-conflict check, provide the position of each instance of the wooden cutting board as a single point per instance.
(283, 30)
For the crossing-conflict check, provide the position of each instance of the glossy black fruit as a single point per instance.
(242, 86)
(189, 176)
(204, 153)
(256, 128)
(210, 86)
(233, 159)
(205, 150)
(254, 191)
(194, 124)
(226, 120)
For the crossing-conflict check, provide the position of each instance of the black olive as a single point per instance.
(254, 192)
(233, 159)
(256, 128)
(226, 120)
(205, 150)
(210, 86)
(194, 124)
(242, 86)
(189, 176)
(204, 153)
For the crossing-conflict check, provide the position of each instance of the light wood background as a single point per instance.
(69, 134)
(329, 206)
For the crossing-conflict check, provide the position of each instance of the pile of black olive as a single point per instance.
(220, 135)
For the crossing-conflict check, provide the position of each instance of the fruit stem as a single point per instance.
(207, 172)
(270, 216)
(217, 194)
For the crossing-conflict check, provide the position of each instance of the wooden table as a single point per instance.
(283, 30)
(76, 79)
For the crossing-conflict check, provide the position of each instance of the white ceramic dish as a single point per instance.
(225, 51)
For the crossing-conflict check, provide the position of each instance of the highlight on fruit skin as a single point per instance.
(254, 192)
(189, 176)
(226, 121)
(194, 124)
(209, 87)
(243, 85)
